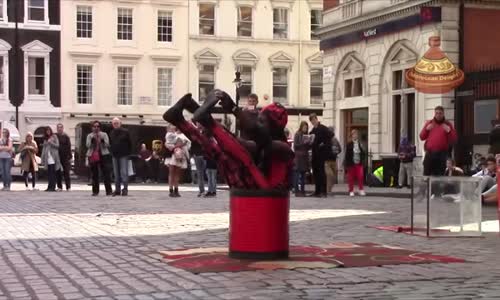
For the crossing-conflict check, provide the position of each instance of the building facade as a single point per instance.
(368, 46)
(271, 43)
(30, 64)
(134, 69)
(154, 51)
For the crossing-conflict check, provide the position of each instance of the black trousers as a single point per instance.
(64, 173)
(104, 165)
(51, 174)
(319, 175)
(435, 163)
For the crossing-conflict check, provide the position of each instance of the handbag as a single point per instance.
(95, 156)
(17, 160)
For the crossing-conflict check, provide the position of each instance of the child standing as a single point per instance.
(178, 163)
(354, 159)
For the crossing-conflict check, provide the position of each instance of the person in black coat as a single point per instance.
(354, 159)
(121, 148)
(65, 155)
(321, 152)
(494, 138)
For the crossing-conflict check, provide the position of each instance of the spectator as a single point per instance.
(211, 167)
(144, 158)
(65, 155)
(331, 162)
(200, 164)
(194, 176)
(170, 138)
(321, 147)
(488, 175)
(252, 112)
(28, 150)
(50, 158)
(178, 163)
(452, 169)
(376, 179)
(301, 145)
(99, 158)
(494, 139)
(154, 165)
(121, 148)
(354, 159)
(6, 150)
(407, 153)
(439, 136)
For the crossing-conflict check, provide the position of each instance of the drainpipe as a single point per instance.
(16, 59)
(189, 47)
(300, 56)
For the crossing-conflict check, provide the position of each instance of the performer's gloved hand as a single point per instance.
(226, 101)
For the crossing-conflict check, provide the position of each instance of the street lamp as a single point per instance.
(238, 82)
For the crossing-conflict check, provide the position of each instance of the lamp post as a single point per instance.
(238, 82)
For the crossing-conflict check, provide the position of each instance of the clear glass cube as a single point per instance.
(447, 206)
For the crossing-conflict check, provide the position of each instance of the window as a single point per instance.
(36, 76)
(1, 10)
(84, 84)
(485, 111)
(245, 21)
(125, 85)
(125, 23)
(316, 21)
(280, 23)
(316, 89)
(164, 26)
(280, 85)
(246, 84)
(164, 86)
(207, 19)
(353, 87)
(2, 76)
(206, 81)
(403, 99)
(36, 10)
(84, 22)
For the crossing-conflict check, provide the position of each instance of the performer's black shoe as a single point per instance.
(174, 114)
(202, 114)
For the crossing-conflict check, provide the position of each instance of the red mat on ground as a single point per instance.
(407, 230)
(334, 255)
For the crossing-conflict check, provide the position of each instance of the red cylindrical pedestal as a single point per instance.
(258, 226)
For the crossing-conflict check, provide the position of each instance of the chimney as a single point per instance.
(328, 4)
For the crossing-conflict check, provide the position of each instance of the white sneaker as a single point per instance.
(362, 193)
(351, 194)
(28, 188)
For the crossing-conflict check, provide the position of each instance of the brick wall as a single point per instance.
(327, 4)
(481, 42)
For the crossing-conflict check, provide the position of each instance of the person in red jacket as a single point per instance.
(439, 136)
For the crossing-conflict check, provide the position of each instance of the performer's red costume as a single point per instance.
(232, 155)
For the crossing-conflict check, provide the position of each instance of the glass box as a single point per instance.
(446, 206)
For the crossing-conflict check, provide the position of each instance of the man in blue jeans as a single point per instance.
(121, 148)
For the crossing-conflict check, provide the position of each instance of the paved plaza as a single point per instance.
(69, 245)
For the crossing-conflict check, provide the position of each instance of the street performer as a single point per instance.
(267, 144)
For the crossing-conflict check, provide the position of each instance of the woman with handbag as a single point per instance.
(28, 151)
(6, 148)
(99, 158)
(50, 158)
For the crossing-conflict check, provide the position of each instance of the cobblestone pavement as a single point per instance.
(69, 245)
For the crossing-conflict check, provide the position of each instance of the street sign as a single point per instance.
(465, 93)
(327, 72)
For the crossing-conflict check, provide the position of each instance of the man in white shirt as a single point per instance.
(488, 174)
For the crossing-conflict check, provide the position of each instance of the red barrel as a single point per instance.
(258, 226)
(498, 190)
